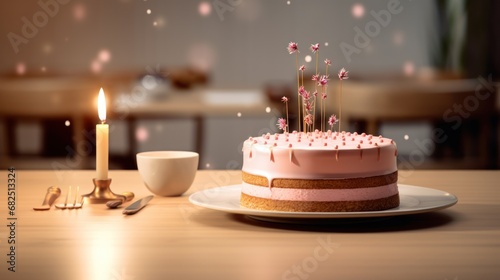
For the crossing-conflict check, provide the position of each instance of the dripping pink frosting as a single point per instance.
(300, 158)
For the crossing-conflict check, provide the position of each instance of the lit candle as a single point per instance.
(102, 136)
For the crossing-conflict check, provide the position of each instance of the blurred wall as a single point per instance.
(241, 42)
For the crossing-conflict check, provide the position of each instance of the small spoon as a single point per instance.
(52, 194)
(115, 203)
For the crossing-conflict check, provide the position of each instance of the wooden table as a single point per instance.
(172, 239)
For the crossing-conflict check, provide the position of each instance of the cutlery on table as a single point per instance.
(52, 194)
(74, 205)
(137, 206)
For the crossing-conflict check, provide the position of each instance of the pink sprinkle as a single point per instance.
(325, 144)
(294, 132)
(316, 131)
(326, 137)
(298, 140)
(336, 147)
(311, 140)
(352, 139)
(274, 144)
(380, 136)
(370, 137)
(381, 140)
(392, 141)
(370, 142)
(343, 143)
(376, 144)
(310, 144)
(250, 138)
(348, 134)
(290, 145)
(276, 137)
(363, 134)
(360, 141)
(265, 142)
(334, 137)
(255, 141)
(286, 140)
(355, 133)
(359, 146)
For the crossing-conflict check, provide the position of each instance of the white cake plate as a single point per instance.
(413, 200)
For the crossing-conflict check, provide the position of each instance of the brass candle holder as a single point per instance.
(102, 193)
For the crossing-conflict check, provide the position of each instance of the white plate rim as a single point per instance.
(406, 192)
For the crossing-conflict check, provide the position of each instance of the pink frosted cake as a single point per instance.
(319, 172)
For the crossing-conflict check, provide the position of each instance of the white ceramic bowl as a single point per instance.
(167, 173)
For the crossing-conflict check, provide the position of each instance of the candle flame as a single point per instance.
(101, 106)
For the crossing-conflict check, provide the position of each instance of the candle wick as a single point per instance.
(103, 121)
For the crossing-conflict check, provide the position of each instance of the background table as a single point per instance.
(173, 239)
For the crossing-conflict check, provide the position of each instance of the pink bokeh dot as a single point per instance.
(21, 68)
(204, 9)
(104, 55)
(358, 10)
(409, 68)
(96, 66)
(141, 134)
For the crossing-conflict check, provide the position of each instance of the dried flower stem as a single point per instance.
(298, 86)
(287, 122)
(340, 108)
(316, 90)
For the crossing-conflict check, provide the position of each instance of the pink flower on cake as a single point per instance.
(323, 95)
(302, 68)
(301, 90)
(315, 93)
(328, 62)
(292, 48)
(308, 106)
(323, 80)
(284, 99)
(306, 95)
(315, 77)
(343, 74)
(308, 119)
(281, 124)
(332, 120)
(315, 47)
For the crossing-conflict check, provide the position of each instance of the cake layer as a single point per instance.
(349, 183)
(319, 206)
(319, 155)
(357, 194)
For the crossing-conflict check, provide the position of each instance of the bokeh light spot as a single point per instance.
(268, 109)
(148, 11)
(308, 58)
(358, 10)
(67, 123)
(104, 55)
(79, 12)
(95, 66)
(406, 137)
(409, 68)
(239, 114)
(204, 9)
(141, 134)
(20, 68)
